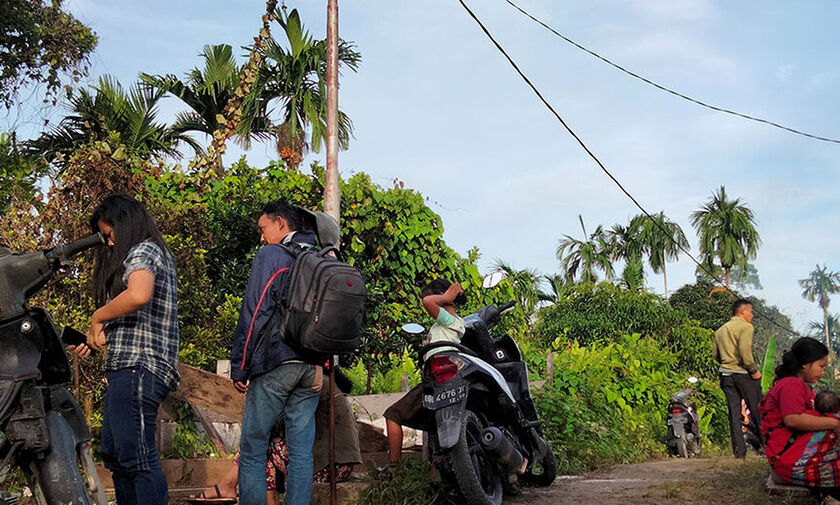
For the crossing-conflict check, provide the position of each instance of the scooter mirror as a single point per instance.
(413, 328)
(493, 280)
(692, 380)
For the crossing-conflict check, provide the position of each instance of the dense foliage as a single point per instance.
(607, 403)
(589, 313)
(39, 43)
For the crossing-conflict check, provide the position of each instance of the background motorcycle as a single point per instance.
(683, 437)
(42, 428)
(484, 422)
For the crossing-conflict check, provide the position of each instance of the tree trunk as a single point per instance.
(665, 278)
(726, 272)
(825, 325)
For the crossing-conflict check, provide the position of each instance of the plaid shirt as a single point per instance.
(148, 338)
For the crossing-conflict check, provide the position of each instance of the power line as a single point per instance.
(604, 168)
(668, 90)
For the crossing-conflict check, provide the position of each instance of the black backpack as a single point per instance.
(324, 303)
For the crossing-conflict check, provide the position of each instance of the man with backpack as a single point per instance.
(275, 375)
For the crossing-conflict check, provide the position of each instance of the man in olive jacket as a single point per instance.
(740, 378)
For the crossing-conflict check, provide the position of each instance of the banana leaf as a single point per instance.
(768, 365)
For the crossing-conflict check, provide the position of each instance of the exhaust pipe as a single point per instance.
(496, 443)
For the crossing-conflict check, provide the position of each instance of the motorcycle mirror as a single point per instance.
(493, 280)
(413, 328)
(692, 380)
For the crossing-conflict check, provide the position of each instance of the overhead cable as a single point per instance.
(606, 171)
(671, 91)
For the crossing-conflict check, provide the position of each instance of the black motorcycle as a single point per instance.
(485, 423)
(683, 438)
(42, 429)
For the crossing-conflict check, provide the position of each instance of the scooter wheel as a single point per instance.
(476, 471)
(542, 473)
(57, 475)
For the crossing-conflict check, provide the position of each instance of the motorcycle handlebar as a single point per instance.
(509, 305)
(64, 252)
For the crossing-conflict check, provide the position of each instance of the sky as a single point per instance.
(436, 106)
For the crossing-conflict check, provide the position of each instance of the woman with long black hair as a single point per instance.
(137, 320)
(801, 445)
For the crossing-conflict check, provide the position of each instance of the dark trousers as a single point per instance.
(128, 436)
(737, 387)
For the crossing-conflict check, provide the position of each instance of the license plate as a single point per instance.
(445, 396)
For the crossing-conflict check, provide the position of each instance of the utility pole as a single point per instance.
(332, 199)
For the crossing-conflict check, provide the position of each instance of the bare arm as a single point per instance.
(433, 303)
(807, 422)
(141, 287)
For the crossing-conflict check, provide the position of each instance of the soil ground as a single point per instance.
(671, 481)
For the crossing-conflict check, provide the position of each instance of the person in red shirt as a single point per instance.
(799, 446)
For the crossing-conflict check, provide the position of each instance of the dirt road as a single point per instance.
(671, 481)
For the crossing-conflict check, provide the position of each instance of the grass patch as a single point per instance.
(409, 484)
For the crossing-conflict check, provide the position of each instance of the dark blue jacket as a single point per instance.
(257, 344)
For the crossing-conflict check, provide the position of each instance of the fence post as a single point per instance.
(549, 368)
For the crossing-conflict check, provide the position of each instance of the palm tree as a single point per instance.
(206, 92)
(295, 79)
(831, 326)
(585, 256)
(624, 244)
(662, 240)
(817, 287)
(726, 229)
(558, 284)
(111, 114)
(526, 287)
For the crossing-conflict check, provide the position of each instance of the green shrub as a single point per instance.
(389, 381)
(608, 403)
(591, 313)
(693, 344)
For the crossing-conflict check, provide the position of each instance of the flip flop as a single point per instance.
(214, 500)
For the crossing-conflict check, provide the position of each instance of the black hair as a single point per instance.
(737, 304)
(827, 402)
(439, 287)
(132, 224)
(436, 287)
(805, 350)
(279, 208)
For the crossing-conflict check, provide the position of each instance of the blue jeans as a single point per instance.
(285, 390)
(128, 436)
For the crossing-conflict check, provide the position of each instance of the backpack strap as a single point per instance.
(295, 248)
(331, 249)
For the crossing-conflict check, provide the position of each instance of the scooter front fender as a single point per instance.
(448, 422)
(677, 425)
(62, 401)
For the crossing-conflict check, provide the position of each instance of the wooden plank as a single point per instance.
(209, 391)
(212, 434)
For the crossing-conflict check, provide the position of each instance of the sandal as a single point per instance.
(215, 500)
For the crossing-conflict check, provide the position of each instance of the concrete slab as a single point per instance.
(777, 488)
